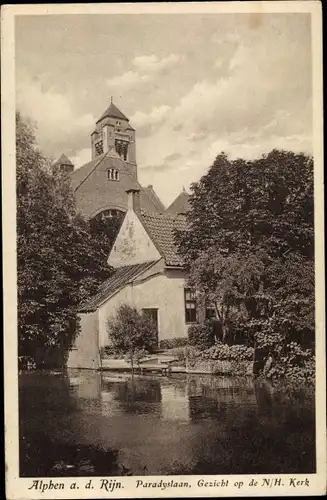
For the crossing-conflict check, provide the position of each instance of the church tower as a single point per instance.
(113, 132)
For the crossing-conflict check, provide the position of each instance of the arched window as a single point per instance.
(113, 174)
(98, 148)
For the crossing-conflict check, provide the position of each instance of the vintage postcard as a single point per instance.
(163, 228)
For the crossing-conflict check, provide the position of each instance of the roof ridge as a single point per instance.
(103, 156)
(163, 215)
(150, 189)
(92, 170)
(96, 300)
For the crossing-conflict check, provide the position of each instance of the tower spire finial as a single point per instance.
(111, 99)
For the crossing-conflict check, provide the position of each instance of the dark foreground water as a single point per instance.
(82, 423)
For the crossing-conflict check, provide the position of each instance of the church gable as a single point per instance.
(133, 245)
(102, 184)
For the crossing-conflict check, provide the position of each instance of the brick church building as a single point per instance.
(100, 185)
(148, 273)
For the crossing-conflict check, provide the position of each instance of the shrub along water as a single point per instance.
(131, 334)
(249, 249)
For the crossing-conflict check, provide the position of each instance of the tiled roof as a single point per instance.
(180, 205)
(113, 112)
(80, 174)
(63, 160)
(111, 159)
(154, 198)
(161, 229)
(121, 277)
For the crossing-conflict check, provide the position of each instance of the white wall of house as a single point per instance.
(164, 291)
(132, 245)
(85, 353)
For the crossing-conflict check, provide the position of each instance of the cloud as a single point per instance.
(163, 167)
(252, 99)
(248, 106)
(230, 84)
(152, 63)
(81, 157)
(173, 157)
(58, 122)
(147, 67)
(146, 123)
(128, 79)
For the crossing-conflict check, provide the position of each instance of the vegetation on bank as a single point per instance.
(132, 334)
(61, 259)
(249, 249)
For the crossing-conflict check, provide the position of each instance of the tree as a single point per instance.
(131, 333)
(59, 263)
(105, 226)
(243, 205)
(249, 247)
(232, 284)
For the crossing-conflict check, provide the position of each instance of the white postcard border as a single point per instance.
(20, 488)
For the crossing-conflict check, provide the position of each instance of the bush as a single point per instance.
(294, 364)
(109, 351)
(172, 343)
(131, 333)
(228, 353)
(201, 336)
(26, 363)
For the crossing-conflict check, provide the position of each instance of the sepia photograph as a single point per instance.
(166, 183)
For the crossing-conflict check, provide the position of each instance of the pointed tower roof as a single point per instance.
(180, 205)
(63, 160)
(113, 112)
(154, 198)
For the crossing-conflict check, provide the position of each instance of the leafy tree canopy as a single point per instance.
(59, 262)
(131, 333)
(243, 205)
(249, 247)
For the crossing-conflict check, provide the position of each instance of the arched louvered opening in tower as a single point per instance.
(121, 148)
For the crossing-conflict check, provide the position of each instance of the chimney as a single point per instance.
(133, 201)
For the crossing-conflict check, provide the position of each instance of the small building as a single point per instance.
(149, 275)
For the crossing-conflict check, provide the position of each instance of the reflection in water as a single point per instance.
(162, 425)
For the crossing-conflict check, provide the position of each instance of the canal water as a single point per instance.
(83, 423)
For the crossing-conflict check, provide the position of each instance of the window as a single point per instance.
(99, 147)
(190, 305)
(113, 174)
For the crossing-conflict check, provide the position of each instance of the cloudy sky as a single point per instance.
(192, 85)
